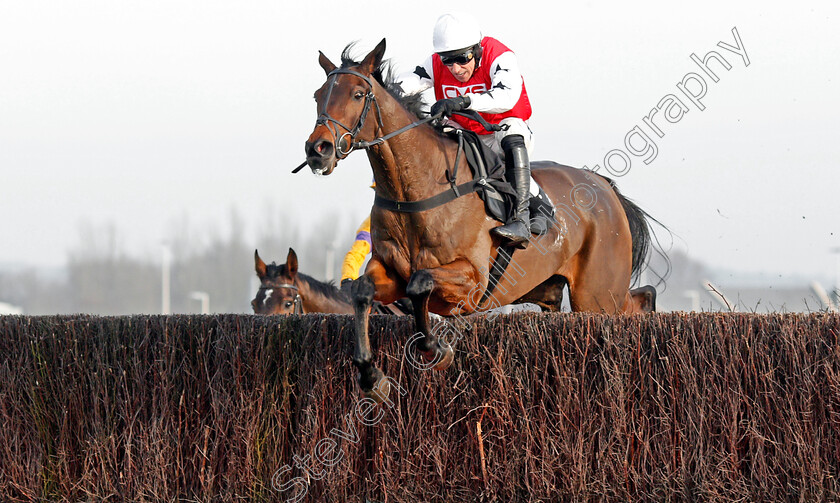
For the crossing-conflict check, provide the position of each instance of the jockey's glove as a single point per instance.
(447, 106)
(345, 285)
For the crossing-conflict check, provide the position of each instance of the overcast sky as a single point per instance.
(142, 113)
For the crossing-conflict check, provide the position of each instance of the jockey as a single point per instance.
(470, 71)
(356, 256)
(359, 251)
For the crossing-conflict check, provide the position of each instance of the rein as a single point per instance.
(440, 199)
(332, 125)
(455, 191)
(366, 144)
(325, 119)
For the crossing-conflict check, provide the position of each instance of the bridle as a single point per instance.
(329, 122)
(298, 300)
(370, 99)
(332, 124)
(455, 191)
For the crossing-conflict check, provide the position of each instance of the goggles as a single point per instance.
(460, 59)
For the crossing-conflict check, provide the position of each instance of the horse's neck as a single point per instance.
(411, 165)
(319, 297)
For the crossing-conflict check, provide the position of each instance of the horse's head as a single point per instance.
(278, 293)
(344, 103)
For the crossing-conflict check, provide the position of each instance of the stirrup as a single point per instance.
(539, 224)
(512, 235)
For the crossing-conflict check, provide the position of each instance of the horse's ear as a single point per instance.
(292, 264)
(374, 58)
(325, 63)
(259, 265)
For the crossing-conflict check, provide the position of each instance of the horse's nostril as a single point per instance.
(321, 148)
(324, 148)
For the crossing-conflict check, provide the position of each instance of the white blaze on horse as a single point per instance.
(284, 290)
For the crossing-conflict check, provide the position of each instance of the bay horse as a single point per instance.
(284, 290)
(439, 257)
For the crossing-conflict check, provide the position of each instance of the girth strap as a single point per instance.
(497, 270)
(453, 193)
(425, 204)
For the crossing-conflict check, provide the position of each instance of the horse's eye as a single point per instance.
(359, 95)
(289, 303)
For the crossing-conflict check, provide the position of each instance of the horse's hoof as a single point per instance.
(375, 386)
(443, 354)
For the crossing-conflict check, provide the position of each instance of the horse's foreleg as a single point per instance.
(376, 282)
(389, 286)
(439, 355)
(453, 282)
(371, 379)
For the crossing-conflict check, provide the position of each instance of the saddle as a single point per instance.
(488, 169)
(497, 193)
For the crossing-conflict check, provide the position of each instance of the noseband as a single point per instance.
(325, 119)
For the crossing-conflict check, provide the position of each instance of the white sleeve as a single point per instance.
(417, 80)
(505, 86)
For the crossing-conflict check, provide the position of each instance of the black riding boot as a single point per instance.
(517, 230)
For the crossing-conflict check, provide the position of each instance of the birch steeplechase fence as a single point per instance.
(554, 407)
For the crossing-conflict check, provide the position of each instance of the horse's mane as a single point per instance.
(327, 289)
(414, 103)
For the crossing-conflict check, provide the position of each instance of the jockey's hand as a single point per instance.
(447, 106)
(345, 285)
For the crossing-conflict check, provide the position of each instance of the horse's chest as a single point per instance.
(407, 253)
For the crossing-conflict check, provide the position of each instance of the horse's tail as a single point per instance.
(642, 235)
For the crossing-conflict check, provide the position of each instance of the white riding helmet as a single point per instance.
(455, 31)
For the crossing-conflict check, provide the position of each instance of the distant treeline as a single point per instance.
(561, 407)
(103, 277)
